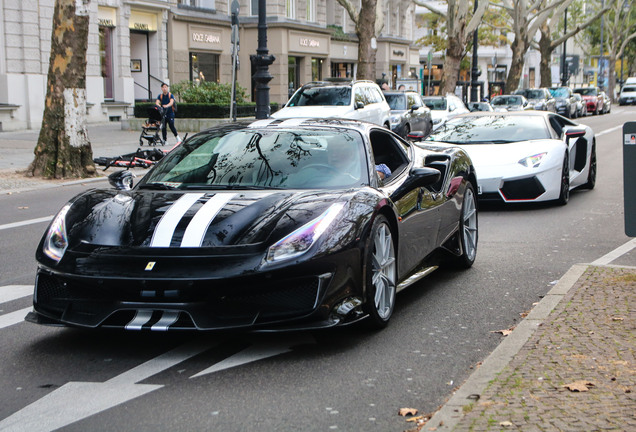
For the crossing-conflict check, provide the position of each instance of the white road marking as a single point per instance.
(258, 351)
(606, 131)
(26, 222)
(61, 408)
(13, 318)
(616, 253)
(12, 292)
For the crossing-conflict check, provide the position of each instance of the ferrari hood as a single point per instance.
(167, 219)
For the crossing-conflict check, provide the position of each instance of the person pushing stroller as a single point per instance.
(166, 101)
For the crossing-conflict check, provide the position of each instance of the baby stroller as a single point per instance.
(151, 129)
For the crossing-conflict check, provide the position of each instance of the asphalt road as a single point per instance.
(346, 379)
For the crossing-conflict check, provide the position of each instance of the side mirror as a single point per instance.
(418, 177)
(415, 136)
(359, 105)
(574, 133)
(121, 180)
(414, 107)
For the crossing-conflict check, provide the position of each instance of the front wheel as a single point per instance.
(380, 274)
(468, 232)
(564, 194)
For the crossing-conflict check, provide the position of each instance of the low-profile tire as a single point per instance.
(591, 175)
(380, 274)
(468, 232)
(564, 193)
(407, 131)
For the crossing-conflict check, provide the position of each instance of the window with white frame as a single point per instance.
(311, 10)
(290, 8)
(201, 4)
(253, 8)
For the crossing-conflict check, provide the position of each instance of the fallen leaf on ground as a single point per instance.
(414, 419)
(505, 424)
(407, 411)
(23, 208)
(579, 386)
(618, 319)
(504, 332)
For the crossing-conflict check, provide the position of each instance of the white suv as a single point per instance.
(357, 100)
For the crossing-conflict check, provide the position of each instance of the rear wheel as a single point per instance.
(381, 274)
(407, 131)
(591, 176)
(468, 233)
(564, 195)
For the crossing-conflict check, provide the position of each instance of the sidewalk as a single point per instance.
(16, 153)
(568, 366)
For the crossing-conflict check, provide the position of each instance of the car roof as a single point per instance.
(298, 123)
(336, 83)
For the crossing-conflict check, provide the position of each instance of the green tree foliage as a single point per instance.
(207, 92)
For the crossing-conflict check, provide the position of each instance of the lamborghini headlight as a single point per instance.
(533, 161)
(56, 240)
(301, 240)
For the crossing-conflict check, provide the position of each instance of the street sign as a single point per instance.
(629, 177)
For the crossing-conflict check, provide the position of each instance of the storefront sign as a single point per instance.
(398, 52)
(308, 43)
(344, 51)
(142, 21)
(106, 17)
(205, 38)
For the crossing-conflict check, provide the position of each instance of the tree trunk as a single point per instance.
(545, 49)
(365, 30)
(516, 68)
(452, 63)
(63, 149)
(611, 77)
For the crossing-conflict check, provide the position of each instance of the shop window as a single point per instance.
(342, 70)
(253, 7)
(293, 74)
(316, 69)
(204, 67)
(106, 59)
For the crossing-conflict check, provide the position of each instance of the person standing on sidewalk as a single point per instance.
(166, 100)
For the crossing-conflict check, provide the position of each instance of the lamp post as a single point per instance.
(600, 54)
(262, 60)
(564, 63)
(474, 97)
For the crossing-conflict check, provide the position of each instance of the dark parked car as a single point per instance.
(565, 102)
(539, 98)
(408, 113)
(593, 99)
(275, 224)
(510, 103)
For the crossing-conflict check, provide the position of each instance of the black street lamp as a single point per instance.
(262, 60)
(564, 63)
(474, 97)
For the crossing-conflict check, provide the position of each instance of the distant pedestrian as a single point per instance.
(401, 87)
(385, 86)
(166, 100)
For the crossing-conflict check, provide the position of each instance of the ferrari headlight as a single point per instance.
(532, 161)
(56, 240)
(299, 241)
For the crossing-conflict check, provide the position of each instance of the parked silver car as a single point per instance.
(581, 105)
(565, 102)
(408, 113)
(444, 107)
(539, 98)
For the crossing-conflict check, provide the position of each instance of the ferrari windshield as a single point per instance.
(321, 96)
(496, 129)
(264, 158)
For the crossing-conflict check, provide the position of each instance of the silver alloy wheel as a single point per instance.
(384, 272)
(470, 225)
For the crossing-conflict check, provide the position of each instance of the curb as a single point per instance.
(447, 417)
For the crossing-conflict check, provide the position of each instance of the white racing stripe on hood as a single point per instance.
(169, 221)
(198, 226)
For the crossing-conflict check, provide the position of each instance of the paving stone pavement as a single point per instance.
(586, 342)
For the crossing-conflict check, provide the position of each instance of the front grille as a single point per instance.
(49, 288)
(524, 189)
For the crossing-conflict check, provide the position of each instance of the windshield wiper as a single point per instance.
(157, 186)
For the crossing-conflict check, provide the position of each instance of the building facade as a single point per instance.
(135, 45)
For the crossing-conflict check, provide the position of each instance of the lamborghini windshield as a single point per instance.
(487, 129)
(264, 158)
